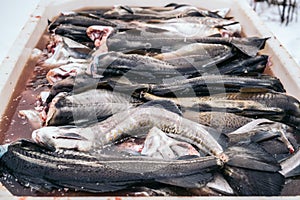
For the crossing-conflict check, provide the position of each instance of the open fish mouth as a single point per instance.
(99, 34)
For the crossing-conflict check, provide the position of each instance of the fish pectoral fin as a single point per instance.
(188, 181)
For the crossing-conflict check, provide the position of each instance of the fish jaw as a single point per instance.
(99, 34)
(59, 138)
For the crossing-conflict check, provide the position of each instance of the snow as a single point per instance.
(288, 35)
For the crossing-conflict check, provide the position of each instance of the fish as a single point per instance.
(254, 66)
(198, 55)
(261, 130)
(78, 19)
(125, 12)
(212, 84)
(86, 107)
(192, 26)
(150, 39)
(137, 68)
(131, 122)
(64, 51)
(42, 170)
(275, 106)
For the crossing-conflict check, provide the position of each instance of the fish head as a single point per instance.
(66, 137)
(99, 34)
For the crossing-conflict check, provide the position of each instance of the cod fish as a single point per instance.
(193, 26)
(135, 121)
(156, 40)
(42, 170)
(275, 106)
(212, 84)
(138, 68)
(86, 107)
(124, 12)
(198, 55)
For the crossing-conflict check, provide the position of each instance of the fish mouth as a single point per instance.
(99, 34)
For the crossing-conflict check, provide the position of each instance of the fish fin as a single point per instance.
(251, 156)
(252, 171)
(216, 35)
(293, 173)
(180, 5)
(127, 8)
(155, 30)
(166, 104)
(188, 181)
(254, 90)
(26, 184)
(249, 46)
(254, 182)
(171, 5)
(264, 135)
(92, 186)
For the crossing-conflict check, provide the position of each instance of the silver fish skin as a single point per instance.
(28, 162)
(132, 122)
(195, 26)
(86, 107)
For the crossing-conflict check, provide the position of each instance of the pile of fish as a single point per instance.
(155, 101)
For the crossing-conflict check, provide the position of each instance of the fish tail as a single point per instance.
(252, 171)
(249, 46)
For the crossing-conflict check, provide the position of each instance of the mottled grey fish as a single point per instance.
(256, 104)
(86, 107)
(132, 122)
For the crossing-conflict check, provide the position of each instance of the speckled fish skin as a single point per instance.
(42, 169)
(271, 105)
(132, 122)
(221, 121)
